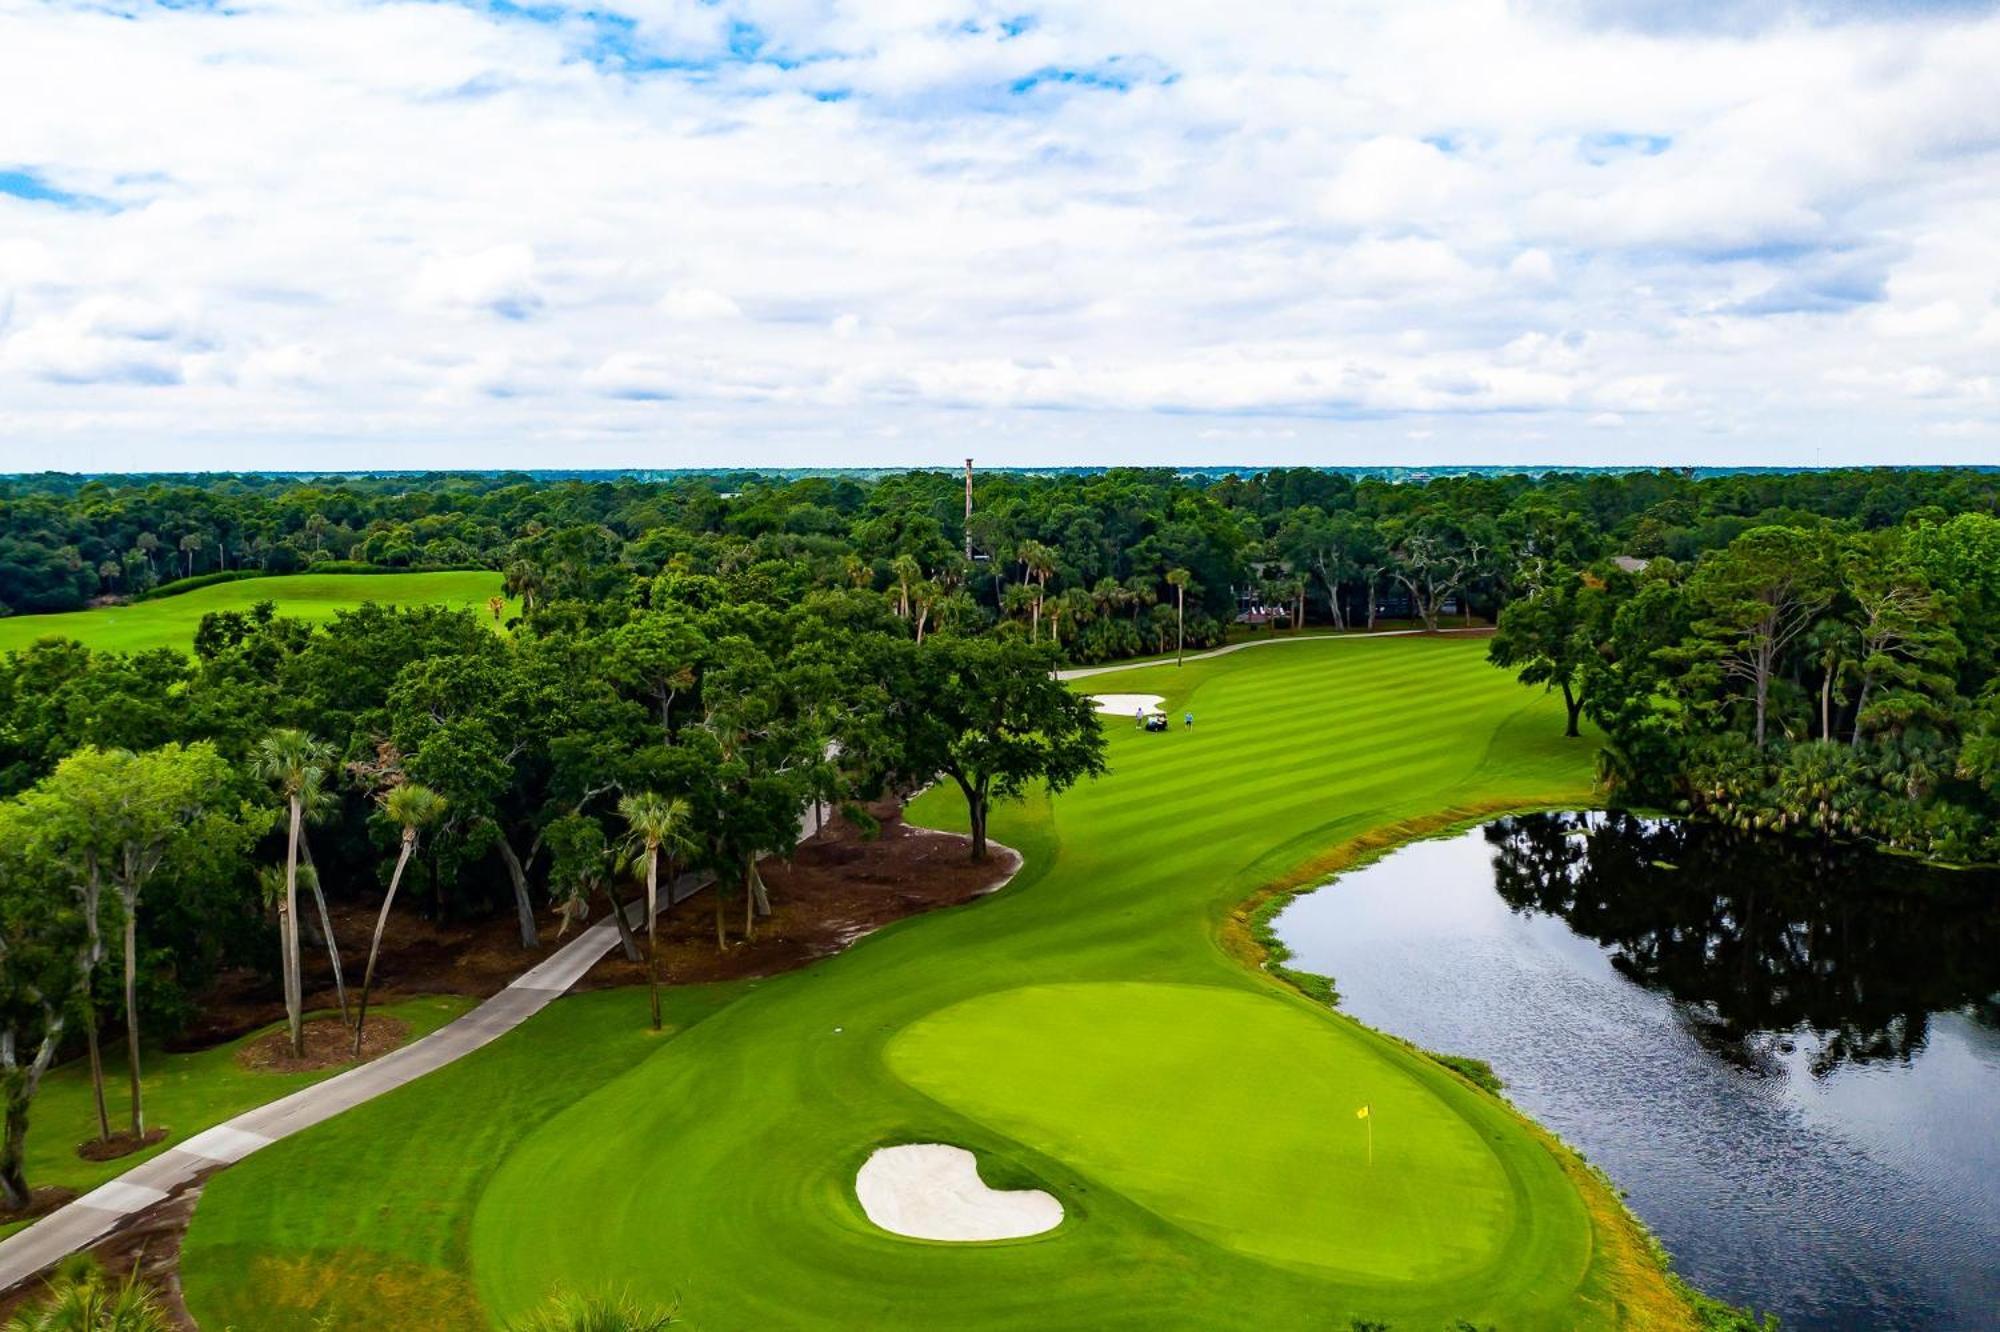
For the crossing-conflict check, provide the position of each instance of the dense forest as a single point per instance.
(697, 660)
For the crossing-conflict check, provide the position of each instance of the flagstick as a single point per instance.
(1370, 1121)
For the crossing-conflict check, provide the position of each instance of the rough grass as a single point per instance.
(1093, 1030)
(185, 1093)
(170, 622)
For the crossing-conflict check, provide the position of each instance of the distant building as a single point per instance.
(1630, 563)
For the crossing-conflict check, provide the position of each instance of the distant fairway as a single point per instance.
(1082, 1032)
(170, 622)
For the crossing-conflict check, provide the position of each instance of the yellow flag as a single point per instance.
(1362, 1113)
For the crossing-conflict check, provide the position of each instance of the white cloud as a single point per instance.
(1307, 231)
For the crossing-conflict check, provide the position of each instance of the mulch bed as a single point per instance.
(118, 1144)
(329, 1043)
(835, 889)
(40, 1203)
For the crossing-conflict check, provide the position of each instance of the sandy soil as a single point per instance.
(929, 1190)
(1126, 705)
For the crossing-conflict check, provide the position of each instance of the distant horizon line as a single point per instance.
(1212, 470)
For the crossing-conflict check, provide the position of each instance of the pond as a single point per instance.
(1788, 1056)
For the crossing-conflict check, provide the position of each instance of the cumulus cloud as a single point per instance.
(675, 231)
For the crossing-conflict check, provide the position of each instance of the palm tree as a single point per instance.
(85, 1300)
(567, 1311)
(1040, 562)
(524, 579)
(658, 824)
(908, 572)
(190, 547)
(412, 808)
(1180, 578)
(496, 605)
(296, 764)
(1141, 591)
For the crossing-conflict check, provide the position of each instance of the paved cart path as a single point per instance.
(97, 1213)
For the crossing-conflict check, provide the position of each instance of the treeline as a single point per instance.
(1808, 676)
(1087, 561)
(167, 815)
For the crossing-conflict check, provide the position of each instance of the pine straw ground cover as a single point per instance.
(1097, 1030)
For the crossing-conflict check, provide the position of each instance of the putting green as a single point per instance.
(1081, 1072)
(171, 621)
(1086, 1031)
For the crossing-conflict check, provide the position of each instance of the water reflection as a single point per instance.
(1767, 942)
(1785, 1056)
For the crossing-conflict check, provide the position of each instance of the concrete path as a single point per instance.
(1085, 672)
(99, 1212)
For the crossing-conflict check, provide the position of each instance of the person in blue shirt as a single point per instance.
(1188, 721)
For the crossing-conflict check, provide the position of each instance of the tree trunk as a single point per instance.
(1860, 701)
(721, 934)
(758, 893)
(288, 927)
(1180, 624)
(132, 1013)
(524, 910)
(13, 1152)
(625, 935)
(375, 944)
(1763, 699)
(1575, 705)
(1826, 705)
(326, 928)
(96, 1067)
(749, 901)
(653, 929)
(976, 809)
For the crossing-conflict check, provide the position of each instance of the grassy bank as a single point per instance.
(171, 621)
(1093, 1030)
(185, 1093)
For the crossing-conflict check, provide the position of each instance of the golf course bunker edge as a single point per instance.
(932, 1191)
(1126, 705)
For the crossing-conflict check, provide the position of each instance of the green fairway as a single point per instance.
(171, 621)
(1085, 1031)
(185, 1093)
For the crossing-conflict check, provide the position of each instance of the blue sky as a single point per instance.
(322, 233)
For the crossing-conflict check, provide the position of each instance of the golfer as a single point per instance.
(1188, 721)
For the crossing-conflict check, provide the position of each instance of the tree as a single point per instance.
(990, 715)
(42, 947)
(1551, 635)
(1180, 578)
(151, 804)
(568, 1311)
(191, 546)
(411, 808)
(581, 869)
(1039, 562)
(1429, 558)
(297, 765)
(56, 827)
(1753, 598)
(657, 825)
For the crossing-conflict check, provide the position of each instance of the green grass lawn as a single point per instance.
(185, 1093)
(1086, 1031)
(171, 621)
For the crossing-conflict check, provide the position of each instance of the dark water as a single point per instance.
(1788, 1058)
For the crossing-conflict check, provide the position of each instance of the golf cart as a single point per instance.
(1156, 721)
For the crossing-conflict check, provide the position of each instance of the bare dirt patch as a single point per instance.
(118, 1144)
(329, 1043)
(148, 1244)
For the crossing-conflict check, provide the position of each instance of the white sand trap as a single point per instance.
(929, 1190)
(1127, 705)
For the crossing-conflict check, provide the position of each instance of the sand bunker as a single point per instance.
(928, 1190)
(1127, 705)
